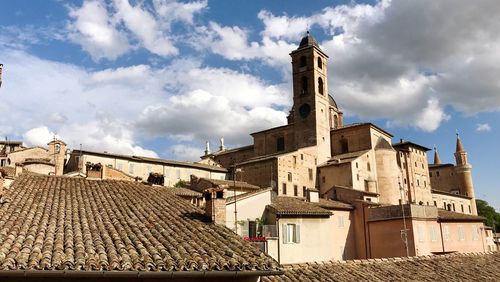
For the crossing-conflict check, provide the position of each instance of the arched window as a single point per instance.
(320, 63)
(344, 146)
(320, 85)
(335, 121)
(303, 61)
(304, 85)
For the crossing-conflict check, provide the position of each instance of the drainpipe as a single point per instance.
(278, 234)
(442, 240)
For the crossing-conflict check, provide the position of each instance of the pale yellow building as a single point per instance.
(142, 167)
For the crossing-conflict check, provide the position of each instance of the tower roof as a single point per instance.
(437, 159)
(460, 147)
(307, 41)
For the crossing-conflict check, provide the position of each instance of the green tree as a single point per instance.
(181, 184)
(487, 211)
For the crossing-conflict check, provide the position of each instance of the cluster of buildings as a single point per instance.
(315, 189)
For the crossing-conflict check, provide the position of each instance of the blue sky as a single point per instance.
(161, 77)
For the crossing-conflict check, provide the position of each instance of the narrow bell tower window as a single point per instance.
(320, 63)
(320, 85)
(280, 144)
(303, 61)
(304, 85)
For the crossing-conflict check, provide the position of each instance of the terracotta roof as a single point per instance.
(231, 183)
(284, 206)
(361, 124)
(444, 215)
(150, 160)
(454, 267)
(435, 191)
(404, 143)
(344, 158)
(7, 171)
(181, 191)
(334, 205)
(226, 151)
(74, 224)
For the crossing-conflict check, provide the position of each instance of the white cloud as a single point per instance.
(109, 31)
(185, 152)
(483, 127)
(96, 32)
(38, 136)
(145, 27)
(115, 109)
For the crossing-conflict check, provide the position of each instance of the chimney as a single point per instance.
(215, 206)
(222, 147)
(94, 170)
(313, 196)
(207, 148)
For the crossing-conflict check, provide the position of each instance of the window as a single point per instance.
(435, 204)
(470, 209)
(303, 61)
(304, 85)
(323, 179)
(437, 173)
(295, 190)
(446, 233)
(430, 174)
(341, 221)
(357, 177)
(131, 168)
(475, 234)
(284, 189)
(418, 182)
(310, 174)
(320, 63)
(368, 166)
(301, 157)
(425, 183)
(461, 234)
(58, 148)
(335, 121)
(304, 191)
(280, 144)
(356, 164)
(444, 205)
(420, 231)
(453, 206)
(462, 206)
(433, 233)
(344, 146)
(320, 85)
(415, 164)
(119, 166)
(294, 160)
(291, 233)
(290, 177)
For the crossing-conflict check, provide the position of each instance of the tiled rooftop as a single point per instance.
(181, 191)
(334, 205)
(456, 267)
(7, 171)
(291, 206)
(445, 215)
(63, 223)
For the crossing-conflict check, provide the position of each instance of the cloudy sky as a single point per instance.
(159, 78)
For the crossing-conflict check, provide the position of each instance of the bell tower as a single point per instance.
(310, 112)
(463, 171)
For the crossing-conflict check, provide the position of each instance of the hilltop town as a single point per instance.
(313, 190)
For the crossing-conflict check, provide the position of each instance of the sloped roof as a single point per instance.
(444, 215)
(181, 191)
(231, 183)
(456, 267)
(64, 223)
(7, 171)
(334, 205)
(232, 199)
(292, 206)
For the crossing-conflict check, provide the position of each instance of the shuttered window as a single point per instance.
(291, 233)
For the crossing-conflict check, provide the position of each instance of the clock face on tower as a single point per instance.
(304, 110)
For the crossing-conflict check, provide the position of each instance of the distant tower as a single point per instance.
(207, 148)
(310, 97)
(437, 159)
(222, 147)
(57, 152)
(464, 176)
